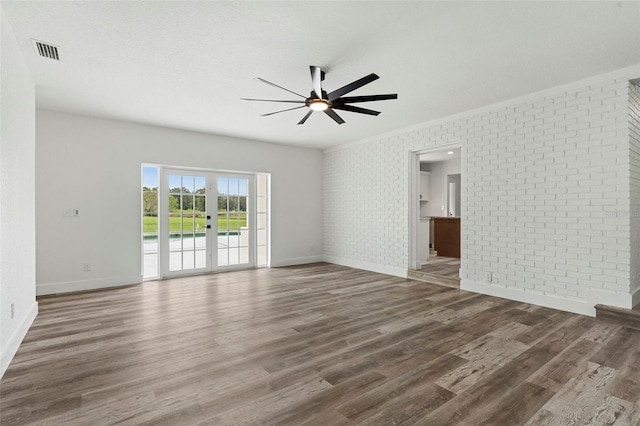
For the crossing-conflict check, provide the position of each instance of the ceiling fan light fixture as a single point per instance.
(318, 105)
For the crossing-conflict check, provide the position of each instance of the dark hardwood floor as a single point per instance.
(320, 345)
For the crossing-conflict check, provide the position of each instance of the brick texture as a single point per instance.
(634, 156)
(545, 193)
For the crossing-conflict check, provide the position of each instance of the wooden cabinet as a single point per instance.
(446, 236)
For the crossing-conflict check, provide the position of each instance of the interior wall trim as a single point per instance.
(583, 307)
(373, 267)
(84, 285)
(295, 261)
(9, 351)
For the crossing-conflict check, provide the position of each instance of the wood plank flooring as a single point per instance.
(619, 316)
(439, 270)
(442, 266)
(316, 344)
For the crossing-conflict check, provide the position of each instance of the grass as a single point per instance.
(233, 222)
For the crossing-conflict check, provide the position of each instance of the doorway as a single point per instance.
(207, 221)
(435, 222)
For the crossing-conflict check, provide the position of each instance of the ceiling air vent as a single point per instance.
(46, 50)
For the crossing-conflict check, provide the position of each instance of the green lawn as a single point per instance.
(233, 222)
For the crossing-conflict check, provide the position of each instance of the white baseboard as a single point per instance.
(519, 295)
(83, 285)
(9, 351)
(610, 298)
(295, 261)
(373, 267)
(635, 297)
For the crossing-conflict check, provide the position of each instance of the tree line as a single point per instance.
(196, 201)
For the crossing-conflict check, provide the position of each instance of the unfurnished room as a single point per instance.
(320, 212)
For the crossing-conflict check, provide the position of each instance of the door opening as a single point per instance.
(435, 220)
(204, 221)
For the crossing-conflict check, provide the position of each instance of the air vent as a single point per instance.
(46, 50)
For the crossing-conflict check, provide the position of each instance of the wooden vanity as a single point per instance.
(446, 236)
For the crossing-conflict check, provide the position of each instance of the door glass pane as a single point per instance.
(223, 223)
(262, 237)
(262, 255)
(262, 220)
(262, 204)
(175, 183)
(234, 223)
(175, 242)
(200, 222)
(175, 261)
(244, 238)
(201, 258)
(188, 184)
(223, 257)
(223, 186)
(199, 204)
(262, 183)
(150, 228)
(175, 222)
(233, 231)
(233, 186)
(187, 242)
(234, 255)
(150, 265)
(187, 221)
(188, 259)
(174, 203)
(244, 255)
(200, 185)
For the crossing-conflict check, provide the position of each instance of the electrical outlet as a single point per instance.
(487, 277)
(71, 212)
(13, 310)
(86, 267)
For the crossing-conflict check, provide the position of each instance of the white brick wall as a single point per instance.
(545, 187)
(634, 151)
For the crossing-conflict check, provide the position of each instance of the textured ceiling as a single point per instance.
(187, 64)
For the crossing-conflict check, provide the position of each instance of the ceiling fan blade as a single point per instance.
(352, 108)
(369, 98)
(284, 110)
(279, 87)
(305, 117)
(316, 79)
(271, 100)
(352, 86)
(331, 113)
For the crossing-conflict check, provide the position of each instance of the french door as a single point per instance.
(209, 222)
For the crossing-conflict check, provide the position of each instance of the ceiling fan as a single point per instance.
(320, 100)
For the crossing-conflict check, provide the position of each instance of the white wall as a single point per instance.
(634, 139)
(437, 204)
(545, 196)
(17, 196)
(94, 165)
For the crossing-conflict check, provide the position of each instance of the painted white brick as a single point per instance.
(551, 190)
